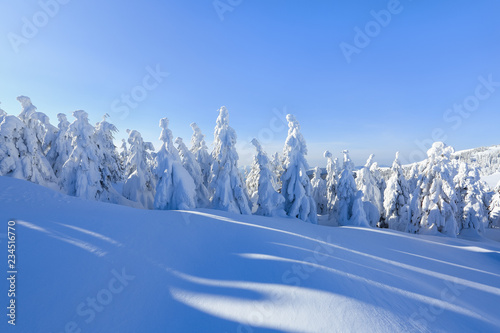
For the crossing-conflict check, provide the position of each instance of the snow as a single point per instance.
(214, 271)
(492, 180)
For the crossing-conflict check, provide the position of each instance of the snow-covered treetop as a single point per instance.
(369, 162)
(2, 112)
(348, 164)
(9, 125)
(224, 139)
(198, 138)
(63, 121)
(295, 141)
(440, 151)
(327, 154)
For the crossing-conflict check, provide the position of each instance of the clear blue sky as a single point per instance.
(263, 56)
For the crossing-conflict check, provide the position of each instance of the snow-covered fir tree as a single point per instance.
(372, 197)
(226, 183)
(319, 192)
(109, 165)
(296, 185)
(358, 217)
(200, 152)
(397, 198)
(433, 205)
(175, 188)
(193, 167)
(346, 193)
(139, 180)
(472, 211)
(268, 202)
(61, 147)
(277, 169)
(80, 174)
(123, 156)
(20, 154)
(494, 208)
(332, 179)
(382, 185)
(413, 174)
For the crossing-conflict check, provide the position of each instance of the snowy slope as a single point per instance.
(209, 271)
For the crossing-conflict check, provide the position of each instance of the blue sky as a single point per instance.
(264, 59)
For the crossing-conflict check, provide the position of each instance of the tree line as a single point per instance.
(439, 195)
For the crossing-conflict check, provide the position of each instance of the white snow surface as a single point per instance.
(214, 271)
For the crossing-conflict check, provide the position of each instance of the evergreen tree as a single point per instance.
(494, 208)
(332, 178)
(175, 187)
(346, 193)
(319, 192)
(433, 204)
(109, 165)
(267, 200)
(139, 180)
(297, 188)
(80, 174)
(277, 169)
(192, 166)
(61, 147)
(397, 198)
(200, 151)
(372, 197)
(226, 183)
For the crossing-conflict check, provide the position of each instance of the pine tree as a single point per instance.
(277, 169)
(123, 157)
(494, 208)
(226, 183)
(267, 200)
(397, 198)
(21, 153)
(332, 179)
(200, 151)
(319, 192)
(139, 180)
(433, 205)
(175, 188)
(346, 193)
(472, 215)
(109, 166)
(61, 147)
(192, 166)
(372, 197)
(80, 174)
(297, 188)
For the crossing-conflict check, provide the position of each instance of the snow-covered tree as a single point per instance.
(433, 205)
(20, 154)
(139, 184)
(80, 174)
(397, 198)
(332, 179)
(296, 185)
(60, 148)
(358, 217)
(346, 193)
(319, 192)
(494, 208)
(277, 169)
(109, 165)
(472, 213)
(412, 177)
(175, 188)
(193, 167)
(372, 197)
(200, 151)
(123, 156)
(226, 184)
(268, 201)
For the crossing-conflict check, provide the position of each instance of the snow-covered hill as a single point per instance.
(486, 158)
(96, 267)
